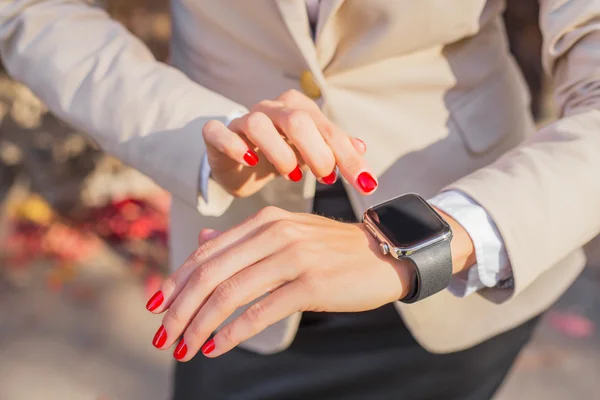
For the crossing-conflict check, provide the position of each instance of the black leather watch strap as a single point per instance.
(433, 271)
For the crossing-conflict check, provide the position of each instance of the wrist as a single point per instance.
(404, 269)
(462, 247)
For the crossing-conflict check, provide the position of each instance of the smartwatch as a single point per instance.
(408, 228)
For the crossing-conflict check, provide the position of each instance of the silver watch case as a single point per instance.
(385, 244)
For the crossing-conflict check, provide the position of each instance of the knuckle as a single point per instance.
(225, 291)
(194, 330)
(201, 276)
(201, 253)
(296, 120)
(270, 213)
(228, 334)
(288, 229)
(291, 96)
(266, 104)
(254, 315)
(256, 121)
(262, 105)
(211, 127)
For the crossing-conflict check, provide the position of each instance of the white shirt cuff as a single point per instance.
(205, 170)
(493, 266)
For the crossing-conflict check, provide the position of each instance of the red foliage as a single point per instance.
(136, 228)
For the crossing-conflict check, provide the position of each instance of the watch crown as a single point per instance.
(385, 249)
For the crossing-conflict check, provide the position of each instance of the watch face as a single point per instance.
(408, 221)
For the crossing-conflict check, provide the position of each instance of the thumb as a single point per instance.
(207, 234)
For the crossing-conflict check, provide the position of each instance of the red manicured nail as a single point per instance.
(330, 179)
(155, 301)
(296, 174)
(208, 347)
(160, 338)
(366, 182)
(251, 158)
(180, 350)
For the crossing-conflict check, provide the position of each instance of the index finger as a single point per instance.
(350, 162)
(170, 288)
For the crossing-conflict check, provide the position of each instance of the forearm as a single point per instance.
(97, 76)
(544, 195)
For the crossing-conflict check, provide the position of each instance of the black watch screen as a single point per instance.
(408, 221)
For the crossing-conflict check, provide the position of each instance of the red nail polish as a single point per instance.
(251, 158)
(296, 174)
(160, 338)
(155, 301)
(366, 182)
(180, 350)
(330, 179)
(208, 347)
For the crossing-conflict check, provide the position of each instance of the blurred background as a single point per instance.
(83, 244)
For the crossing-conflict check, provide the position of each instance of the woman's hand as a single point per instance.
(279, 137)
(305, 262)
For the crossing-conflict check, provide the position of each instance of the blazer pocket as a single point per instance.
(491, 114)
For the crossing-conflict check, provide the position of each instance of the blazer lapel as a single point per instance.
(327, 9)
(296, 19)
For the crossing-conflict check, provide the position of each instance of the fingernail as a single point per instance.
(363, 143)
(208, 347)
(366, 182)
(160, 338)
(180, 350)
(296, 174)
(155, 301)
(330, 179)
(251, 158)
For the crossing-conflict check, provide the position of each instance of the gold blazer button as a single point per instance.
(309, 86)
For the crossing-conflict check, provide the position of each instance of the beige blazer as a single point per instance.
(429, 85)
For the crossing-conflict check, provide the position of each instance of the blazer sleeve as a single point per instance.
(97, 76)
(544, 195)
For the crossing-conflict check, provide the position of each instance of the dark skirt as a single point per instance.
(369, 355)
